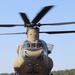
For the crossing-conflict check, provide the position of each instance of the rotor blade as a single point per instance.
(55, 24)
(25, 18)
(10, 25)
(41, 14)
(12, 33)
(58, 32)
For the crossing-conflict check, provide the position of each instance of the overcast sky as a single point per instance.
(63, 53)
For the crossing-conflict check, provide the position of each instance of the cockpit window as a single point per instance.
(32, 45)
(39, 45)
(26, 45)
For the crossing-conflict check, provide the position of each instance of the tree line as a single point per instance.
(64, 72)
(59, 72)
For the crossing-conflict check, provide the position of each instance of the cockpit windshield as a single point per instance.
(28, 45)
(40, 45)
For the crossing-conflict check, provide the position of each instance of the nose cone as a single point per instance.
(34, 52)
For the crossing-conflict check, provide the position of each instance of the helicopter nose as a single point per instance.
(33, 52)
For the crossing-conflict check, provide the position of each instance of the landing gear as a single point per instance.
(16, 73)
(50, 74)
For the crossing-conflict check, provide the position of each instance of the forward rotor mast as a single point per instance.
(33, 34)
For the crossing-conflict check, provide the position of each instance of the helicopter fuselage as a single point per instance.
(33, 58)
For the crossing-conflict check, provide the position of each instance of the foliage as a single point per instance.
(60, 72)
(64, 72)
(7, 74)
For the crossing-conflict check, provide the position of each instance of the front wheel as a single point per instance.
(50, 74)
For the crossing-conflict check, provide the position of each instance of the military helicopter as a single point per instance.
(33, 53)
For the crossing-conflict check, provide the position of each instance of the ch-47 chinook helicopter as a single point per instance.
(33, 53)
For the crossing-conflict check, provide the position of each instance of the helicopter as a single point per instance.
(33, 53)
